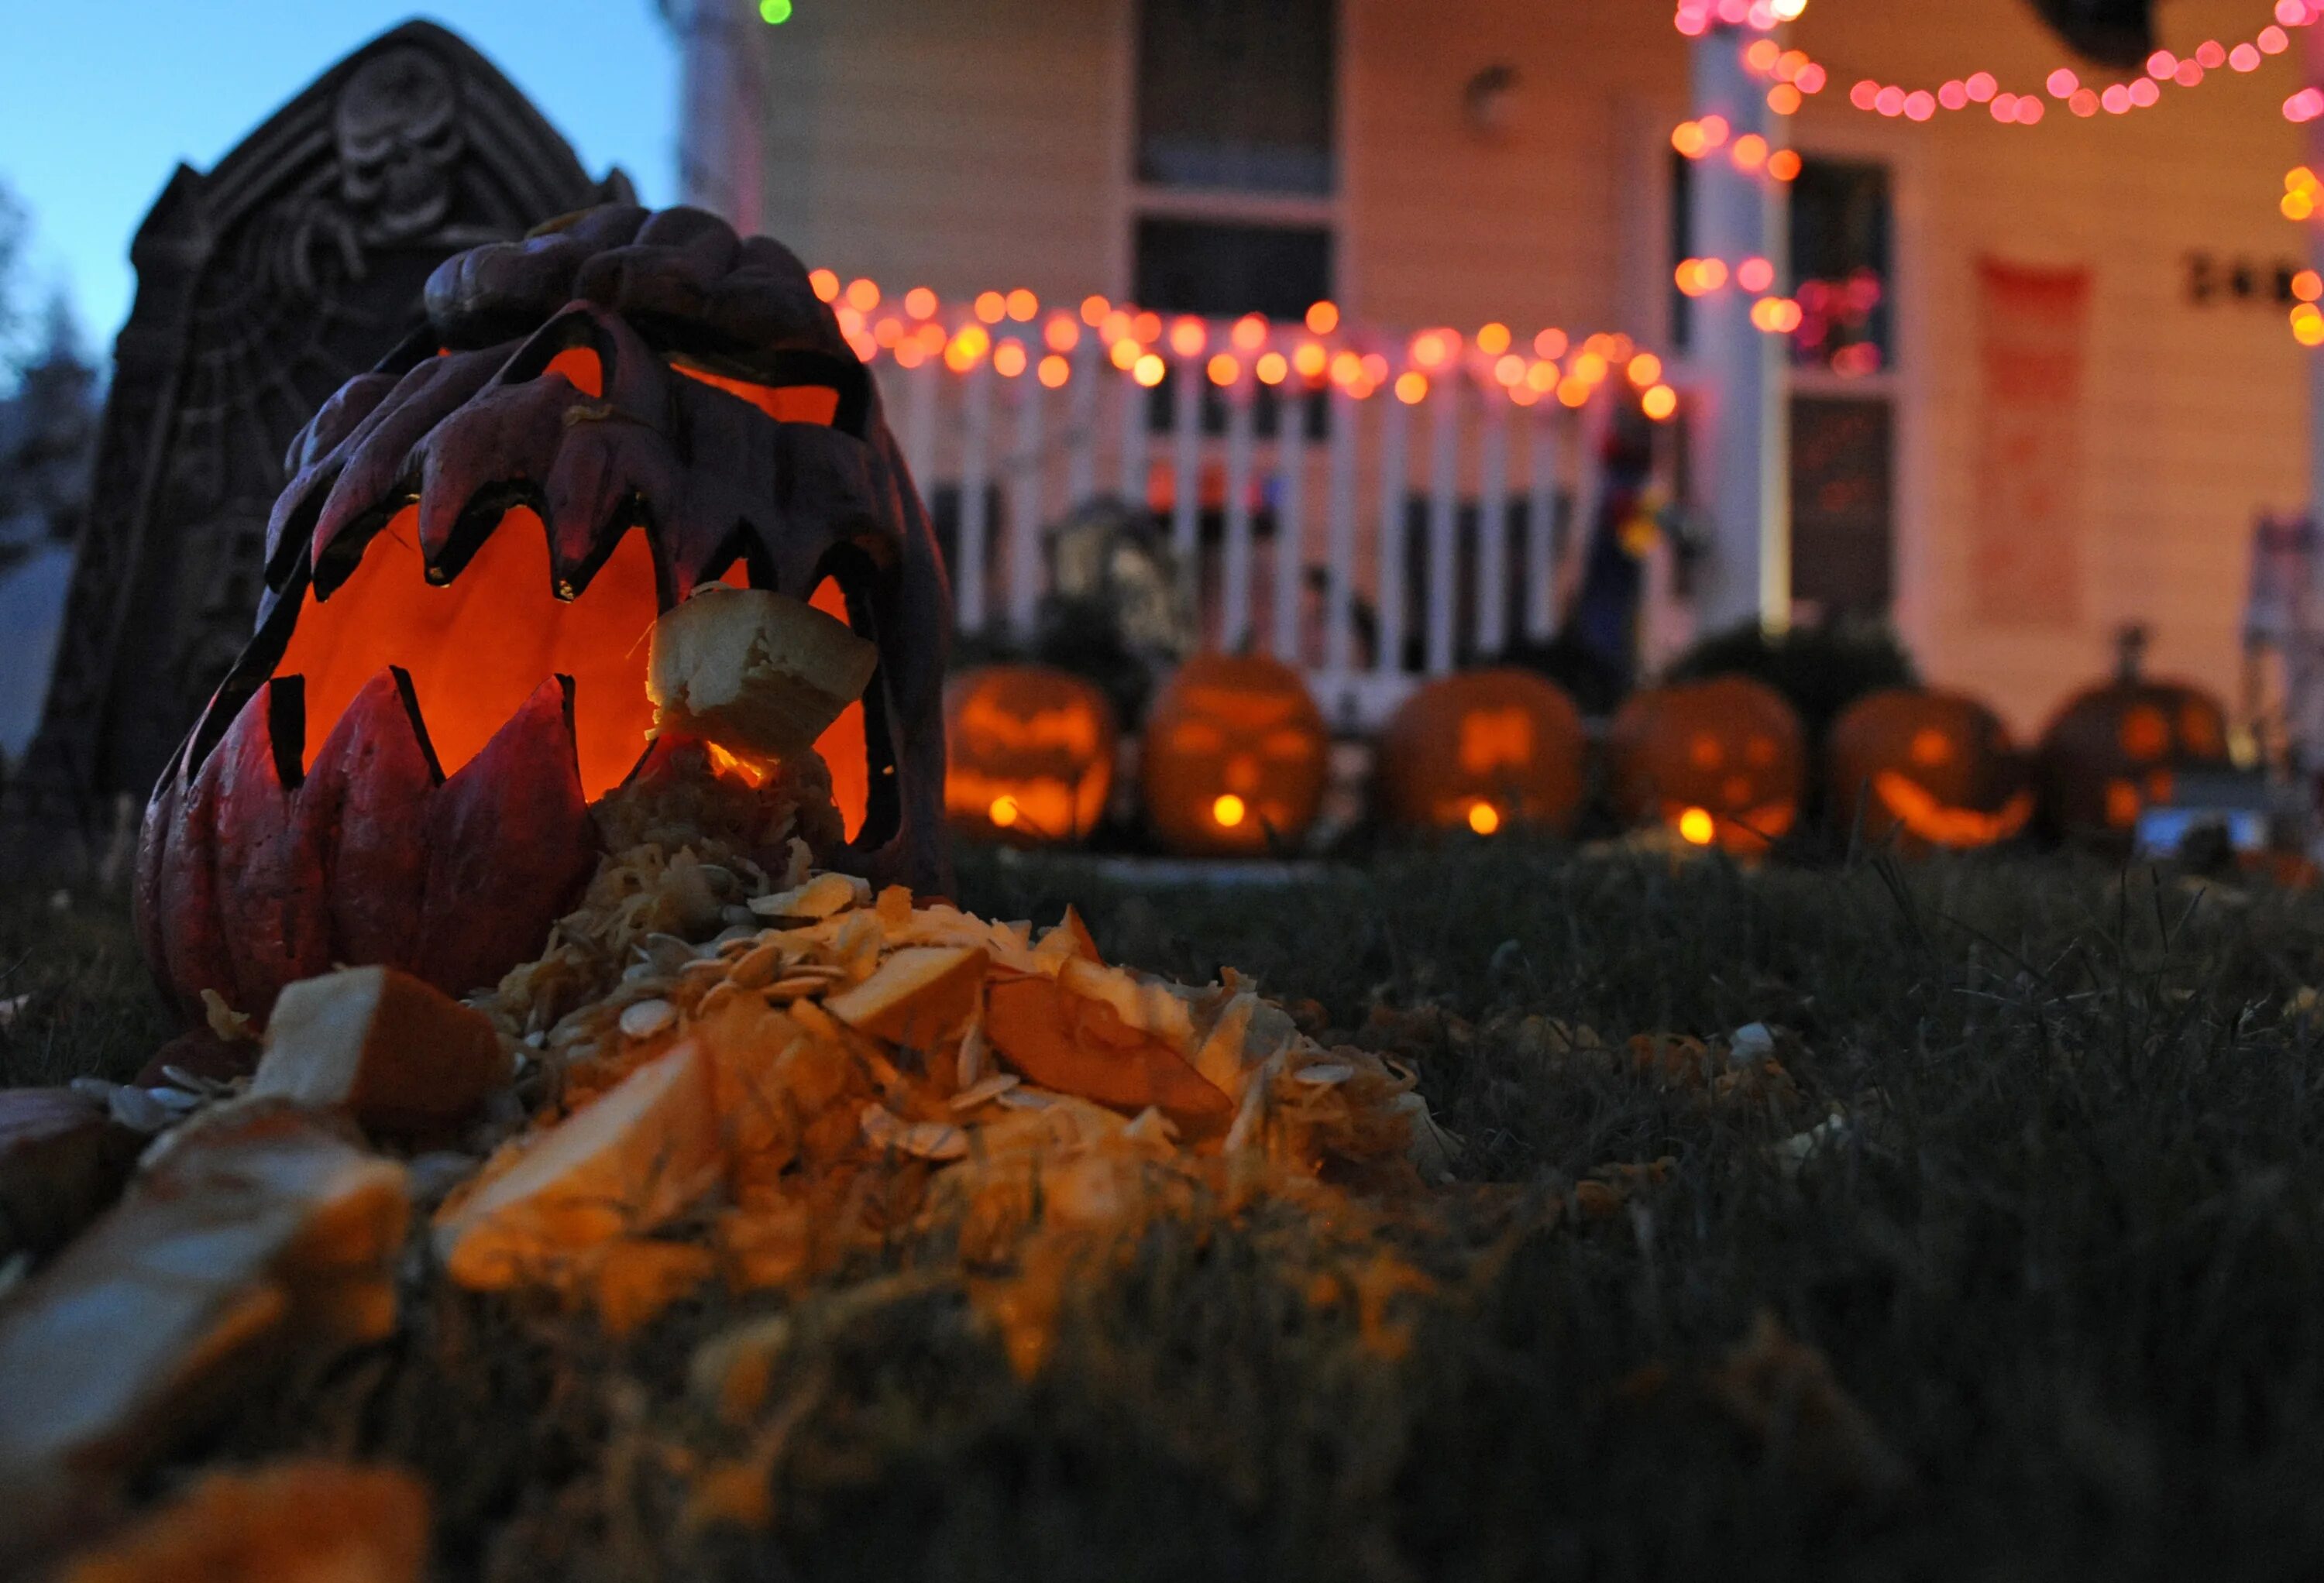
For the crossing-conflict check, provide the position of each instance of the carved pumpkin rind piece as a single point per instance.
(1235, 757)
(1721, 761)
(1029, 754)
(1926, 770)
(1504, 740)
(622, 371)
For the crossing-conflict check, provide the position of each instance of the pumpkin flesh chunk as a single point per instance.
(633, 1158)
(760, 674)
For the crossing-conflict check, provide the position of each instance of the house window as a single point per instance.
(1223, 270)
(1840, 263)
(1237, 96)
(1840, 267)
(1237, 158)
(1843, 498)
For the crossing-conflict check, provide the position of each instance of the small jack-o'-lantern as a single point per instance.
(1485, 750)
(2117, 749)
(1720, 762)
(1028, 753)
(1930, 769)
(450, 658)
(1235, 757)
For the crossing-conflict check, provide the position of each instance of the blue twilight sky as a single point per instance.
(100, 99)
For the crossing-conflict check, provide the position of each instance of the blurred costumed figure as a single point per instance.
(1632, 515)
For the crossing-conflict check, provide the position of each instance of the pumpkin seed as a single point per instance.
(991, 1088)
(647, 1018)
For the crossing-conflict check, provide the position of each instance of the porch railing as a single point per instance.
(1374, 510)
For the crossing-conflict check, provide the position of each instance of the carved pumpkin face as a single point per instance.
(1718, 762)
(2117, 749)
(1028, 754)
(1485, 750)
(1235, 757)
(450, 656)
(1928, 769)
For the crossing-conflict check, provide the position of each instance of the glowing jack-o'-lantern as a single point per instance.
(1235, 757)
(1720, 762)
(1928, 769)
(451, 657)
(2117, 749)
(1485, 750)
(1028, 753)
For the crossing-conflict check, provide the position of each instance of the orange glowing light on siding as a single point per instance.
(1322, 318)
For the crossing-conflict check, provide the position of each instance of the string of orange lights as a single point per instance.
(1796, 75)
(1016, 335)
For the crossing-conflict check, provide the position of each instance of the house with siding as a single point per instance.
(2033, 378)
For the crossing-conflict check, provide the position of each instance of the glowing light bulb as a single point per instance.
(1411, 388)
(1660, 403)
(1054, 370)
(826, 284)
(1224, 370)
(920, 302)
(1484, 818)
(1322, 318)
(1696, 827)
(1228, 811)
(1004, 810)
(1147, 371)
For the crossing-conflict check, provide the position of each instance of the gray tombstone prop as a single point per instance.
(261, 286)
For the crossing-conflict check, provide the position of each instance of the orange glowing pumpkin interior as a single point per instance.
(477, 645)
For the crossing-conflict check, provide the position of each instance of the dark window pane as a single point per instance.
(1682, 248)
(1841, 216)
(1236, 94)
(1223, 271)
(1842, 489)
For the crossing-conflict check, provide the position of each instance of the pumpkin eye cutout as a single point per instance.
(816, 404)
(1704, 752)
(1290, 747)
(2145, 732)
(1495, 739)
(582, 369)
(1761, 752)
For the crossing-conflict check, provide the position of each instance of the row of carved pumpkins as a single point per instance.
(1235, 758)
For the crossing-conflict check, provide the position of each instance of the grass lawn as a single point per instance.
(2065, 1266)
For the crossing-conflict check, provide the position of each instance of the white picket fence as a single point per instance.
(1384, 512)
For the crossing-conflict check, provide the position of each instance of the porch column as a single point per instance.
(1743, 444)
(2313, 53)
